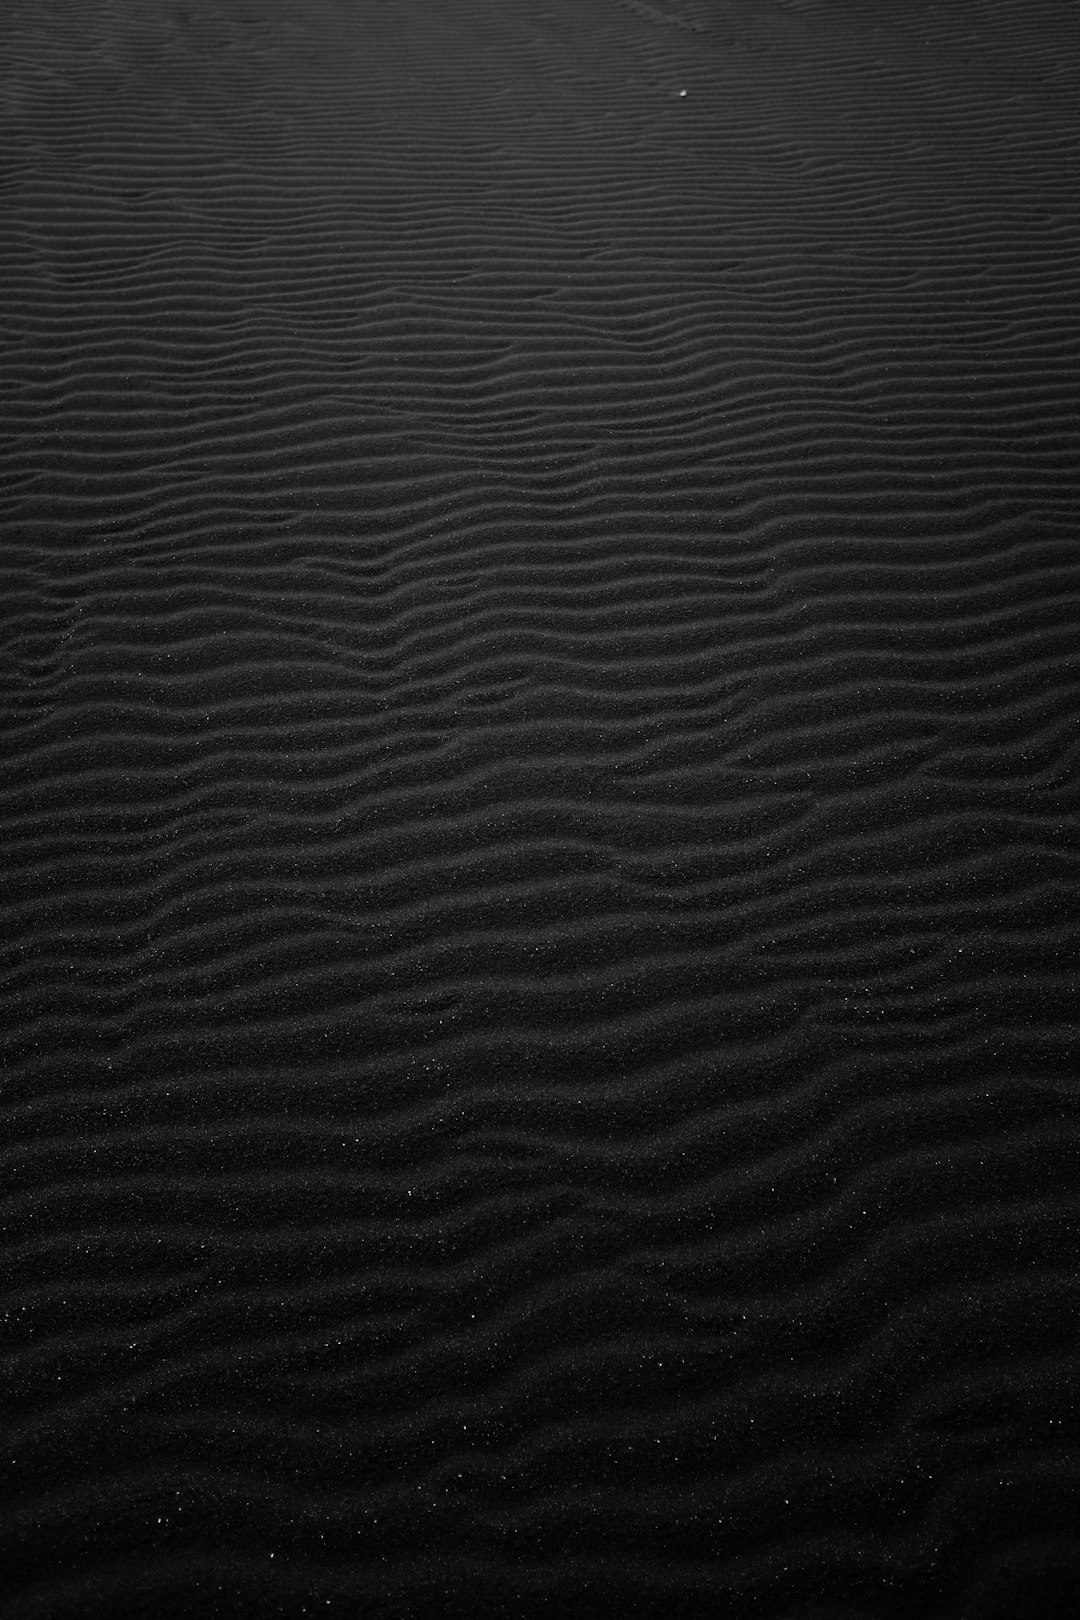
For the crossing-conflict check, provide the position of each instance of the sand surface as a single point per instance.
(539, 838)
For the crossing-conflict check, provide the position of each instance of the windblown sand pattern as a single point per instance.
(540, 566)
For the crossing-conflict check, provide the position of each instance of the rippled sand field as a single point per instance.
(539, 653)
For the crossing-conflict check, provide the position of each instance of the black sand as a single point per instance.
(539, 680)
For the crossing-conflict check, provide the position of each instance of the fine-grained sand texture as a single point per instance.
(539, 567)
